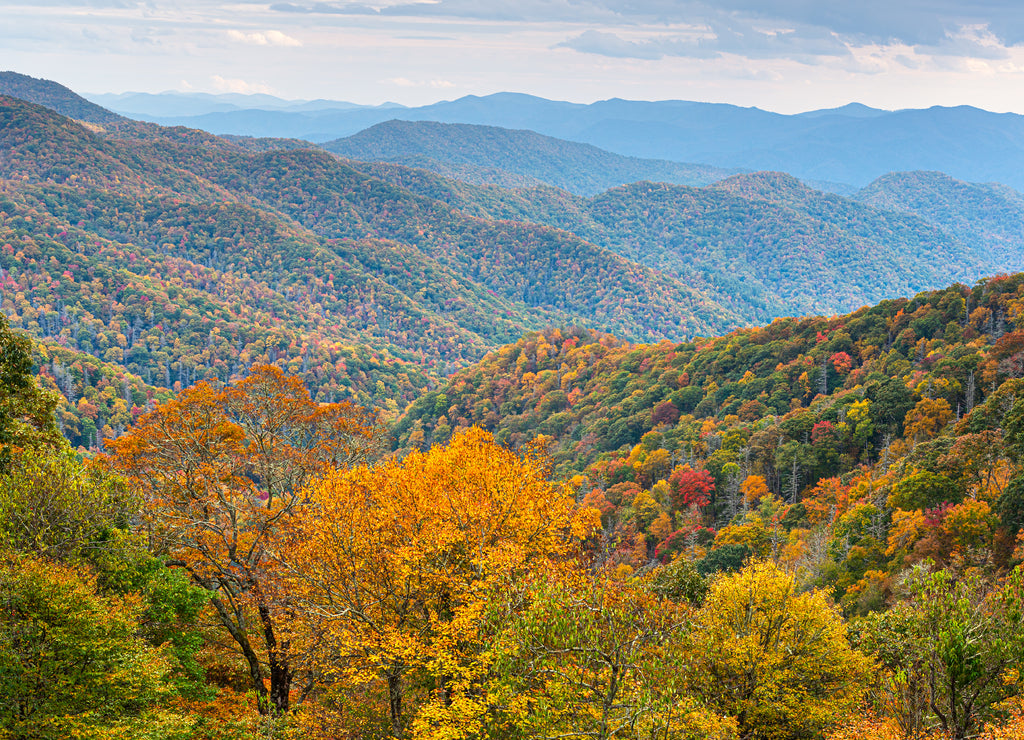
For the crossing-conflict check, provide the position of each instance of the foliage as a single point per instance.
(396, 564)
(222, 474)
(593, 659)
(179, 256)
(71, 662)
(55, 507)
(26, 412)
(946, 648)
(775, 659)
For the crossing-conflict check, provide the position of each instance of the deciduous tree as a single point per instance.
(589, 658)
(396, 564)
(71, 661)
(26, 411)
(950, 643)
(776, 659)
(222, 473)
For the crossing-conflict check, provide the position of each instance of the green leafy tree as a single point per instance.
(26, 412)
(947, 647)
(72, 663)
(54, 506)
(591, 659)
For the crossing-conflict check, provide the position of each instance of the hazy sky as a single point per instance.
(783, 55)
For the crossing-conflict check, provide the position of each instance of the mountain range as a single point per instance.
(852, 145)
(499, 156)
(146, 258)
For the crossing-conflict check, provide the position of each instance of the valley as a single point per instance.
(457, 430)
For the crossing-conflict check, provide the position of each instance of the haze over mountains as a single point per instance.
(853, 144)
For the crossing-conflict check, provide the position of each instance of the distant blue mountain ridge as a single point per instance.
(853, 145)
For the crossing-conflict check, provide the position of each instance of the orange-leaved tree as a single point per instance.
(222, 472)
(400, 562)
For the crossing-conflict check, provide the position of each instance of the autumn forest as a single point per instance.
(293, 446)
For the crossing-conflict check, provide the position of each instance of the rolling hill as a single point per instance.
(763, 243)
(987, 216)
(178, 256)
(488, 155)
(56, 97)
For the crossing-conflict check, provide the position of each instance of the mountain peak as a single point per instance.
(759, 185)
(850, 110)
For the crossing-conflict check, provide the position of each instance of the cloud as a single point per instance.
(264, 38)
(935, 24)
(326, 8)
(973, 43)
(732, 37)
(613, 45)
(235, 85)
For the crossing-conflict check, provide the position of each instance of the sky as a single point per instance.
(781, 55)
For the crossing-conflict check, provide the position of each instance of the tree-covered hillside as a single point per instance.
(762, 244)
(499, 156)
(55, 97)
(181, 256)
(987, 216)
(176, 255)
(819, 549)
(859, 445)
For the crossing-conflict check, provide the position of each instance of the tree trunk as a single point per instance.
(255, 669)
(394, 678)
(278, 660)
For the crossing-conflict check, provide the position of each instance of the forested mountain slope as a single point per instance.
(675, 582)
(854, 446)
(762, 243)
(179, 256)
(987, 216)
(809, 529)
(55, 97)
(497, 156)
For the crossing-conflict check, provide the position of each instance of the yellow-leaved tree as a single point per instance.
(589, 658)
(396, 565)
(775, 659)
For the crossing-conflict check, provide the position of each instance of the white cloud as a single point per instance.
(970, 42)
(745, 40)
(235, 85)
(264, 38)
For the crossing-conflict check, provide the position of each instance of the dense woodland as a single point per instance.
(822, 540)
(288, 449)
(765, 244)
(171, 256)
(145, 259)
(488, 155)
